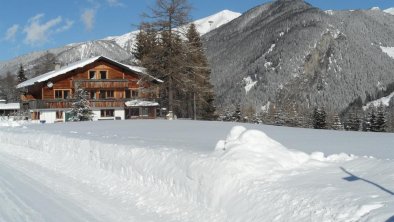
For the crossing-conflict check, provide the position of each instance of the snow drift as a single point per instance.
(213, 187)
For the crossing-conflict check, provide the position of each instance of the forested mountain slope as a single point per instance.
(288, 51)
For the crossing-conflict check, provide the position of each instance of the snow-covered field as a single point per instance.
(156, 170)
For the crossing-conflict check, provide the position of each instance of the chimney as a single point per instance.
(57, 66)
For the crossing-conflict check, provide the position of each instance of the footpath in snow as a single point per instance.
(193, 171)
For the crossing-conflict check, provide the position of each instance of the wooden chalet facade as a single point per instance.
(116, 91)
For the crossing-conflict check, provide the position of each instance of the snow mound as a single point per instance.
(319, 156)
(254, 150)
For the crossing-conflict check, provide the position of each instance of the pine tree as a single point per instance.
(319, 118)
(21, 74)
(145, 44)
(381, 119)
(81, 110)
(237, 115)
(367, 124)
(353, 121)
(337, 124)
(199, 72)
(168, 56)
(374, 125)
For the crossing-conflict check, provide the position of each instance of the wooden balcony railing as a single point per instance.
(64, 104)
(102, 83)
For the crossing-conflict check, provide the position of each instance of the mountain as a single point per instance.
(67, 54)
(288, 50)
(115, 47)
(390, 11)
(203, 26)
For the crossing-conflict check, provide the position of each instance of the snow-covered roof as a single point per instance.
(9, 106)
(80, 64)
(138, 103)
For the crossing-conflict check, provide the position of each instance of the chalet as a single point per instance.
(8, 109)
(116, 91)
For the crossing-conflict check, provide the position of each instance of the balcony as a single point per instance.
(67, 104)
(102, 83)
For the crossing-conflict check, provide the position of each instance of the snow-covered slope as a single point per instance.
(220, 172)
(68, 54)
(385, 101)
(388, 50)
(203, 26)
(390, 11)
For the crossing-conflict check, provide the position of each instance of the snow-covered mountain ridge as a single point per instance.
(203, 26)
(390, 11)
(116, 47)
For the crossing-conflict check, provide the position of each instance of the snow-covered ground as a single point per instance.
(156, 170)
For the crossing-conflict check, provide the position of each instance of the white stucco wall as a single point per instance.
(48, 116)
(120, 113)
(96, 115)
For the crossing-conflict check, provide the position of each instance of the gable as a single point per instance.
(80, 71)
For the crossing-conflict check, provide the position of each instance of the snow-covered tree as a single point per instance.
(21, 74)
(367, 121)
(336, 122)
(380, 123)
(237, 115)
(319, 118)
(81, 110)
(353, 121)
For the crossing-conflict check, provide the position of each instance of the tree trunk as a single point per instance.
(170, 94)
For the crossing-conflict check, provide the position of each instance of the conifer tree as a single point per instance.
(319, 118)
(237, 115)
(21, 74)
(366, 125)
(337, 124)
(381, 119)
(164, 18)
(81, 110)
(199, 72)
(374, 126)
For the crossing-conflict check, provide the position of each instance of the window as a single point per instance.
(92, 74)
(107, 113)
(110, 94)
(58, 94)
(59, 114)
(145, 111)
(35, 115)
(66, 94)
(104, 94)
(103, 75)
(134, 93)
(127, 93)
(92, 94)
(132, 113)
(62, 94)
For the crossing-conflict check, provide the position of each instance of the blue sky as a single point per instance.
(27, 25)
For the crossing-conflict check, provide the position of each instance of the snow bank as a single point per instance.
(218, 185)
(12, 123)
